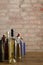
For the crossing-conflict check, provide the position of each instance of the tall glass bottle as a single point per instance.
(12, 48)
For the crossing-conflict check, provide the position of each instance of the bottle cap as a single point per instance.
(18, 35)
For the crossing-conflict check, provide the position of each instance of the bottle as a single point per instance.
(18, 48)
(6, 51)
(12, 48)
(3, 47)
(1, 50)
(24, 47)
(15, 54)
(23, 50)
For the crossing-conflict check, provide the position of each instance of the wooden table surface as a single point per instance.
(31, 58)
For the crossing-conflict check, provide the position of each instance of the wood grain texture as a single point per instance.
(31, 58)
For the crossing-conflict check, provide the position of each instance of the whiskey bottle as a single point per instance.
(12, 48)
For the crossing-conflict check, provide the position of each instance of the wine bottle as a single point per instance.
(6, 53)
(12, 48)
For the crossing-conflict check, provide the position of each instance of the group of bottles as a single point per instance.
(12, 49)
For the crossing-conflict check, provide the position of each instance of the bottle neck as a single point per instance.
(12, 33)
(7, 35)
(3, 38)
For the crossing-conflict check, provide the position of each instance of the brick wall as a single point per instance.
(25, 17)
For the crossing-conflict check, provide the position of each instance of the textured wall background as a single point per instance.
(26, 17)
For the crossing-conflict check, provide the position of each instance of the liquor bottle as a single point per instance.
(24, 47)
(15, 50)
(18, 48)
(1, 51)
(3, 47)
(6, 52)
(12, 48)
(23, 50)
